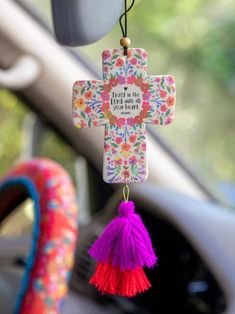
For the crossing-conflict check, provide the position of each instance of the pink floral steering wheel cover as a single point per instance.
(45, 282)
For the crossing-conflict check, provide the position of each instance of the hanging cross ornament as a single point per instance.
(124, 102)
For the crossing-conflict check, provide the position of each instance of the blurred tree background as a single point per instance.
(13, 113)
(194, 40)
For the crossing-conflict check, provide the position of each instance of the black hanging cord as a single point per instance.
(124, 29)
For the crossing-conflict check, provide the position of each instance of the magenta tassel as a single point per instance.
(125, 242)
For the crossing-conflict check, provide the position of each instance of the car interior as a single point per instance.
(190, 225)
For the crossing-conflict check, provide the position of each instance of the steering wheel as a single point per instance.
(45, 280)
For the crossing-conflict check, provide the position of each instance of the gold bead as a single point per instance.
(125, 42)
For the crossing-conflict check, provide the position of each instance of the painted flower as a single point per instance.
(106, 54)
(118, 161)
(132, 138)
(80, 83)
(105, 106)
(114, 151)
(133, 61)
(121, 122)
(113, 81)
(107, 88)
(143, 114)
(132, 160)
(146, 95)
(144, 54)
(144, 87)
(95, 123)
(87, 110)
(138, 119)
(131, 79)
(170, 101)
(146, 106)
(170, 79)
(83, 124)
(138, 81)
(168, 120)
(112, 120)
(107, 115)
(156, 121)
(130, 121)
(88, 95)
(106, 69)
(106, 147)
(125, 147)
(126, 174)
(163, 108)
(104, 96)
(157, 79)
(162, 93)
(143, 146)
(118, 140)
(80, 104)
(121, 79)
(119, 62)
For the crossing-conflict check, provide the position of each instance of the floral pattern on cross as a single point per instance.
(124, 101)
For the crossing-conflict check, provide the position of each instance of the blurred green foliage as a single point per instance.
(193, 40)
(12, 112)
(55, 148)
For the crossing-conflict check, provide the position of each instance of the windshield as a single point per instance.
(193, 41)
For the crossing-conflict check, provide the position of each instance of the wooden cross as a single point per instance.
(124, 101)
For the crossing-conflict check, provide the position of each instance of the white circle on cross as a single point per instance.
(125, 101)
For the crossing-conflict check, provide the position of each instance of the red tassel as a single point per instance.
(111, 280)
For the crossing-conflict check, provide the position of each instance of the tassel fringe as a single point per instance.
(125, 242)
(109, 279)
